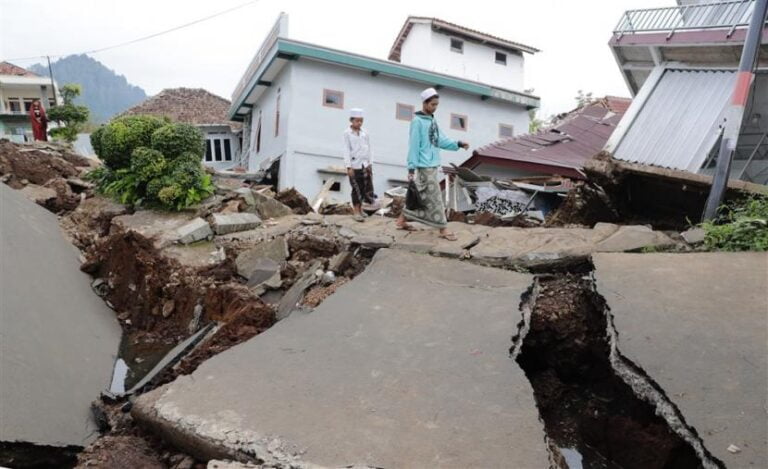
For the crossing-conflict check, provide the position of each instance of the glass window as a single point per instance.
(457, 45)
(501, 58)
(28, 104)
(458, 122)
(332, 98)
(208, 156)
(217, 150)
(227, 150)
(506, 131)
(14, 105)
(404, 112)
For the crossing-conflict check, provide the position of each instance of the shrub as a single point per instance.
(742, 226)
(118, 139)
(173, 140)
(147, 163)
(96, 139)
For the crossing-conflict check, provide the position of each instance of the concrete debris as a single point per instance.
(268, 207)
(630, 238)
(373, 242)
(293, 199)
(340, 262)
(196, 230)
(265, 272)
(328, 278)
(294, 294)
(247, 194)
(694, 235)
(275, 250)
(234, 222)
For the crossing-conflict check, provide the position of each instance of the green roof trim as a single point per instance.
(376, 66)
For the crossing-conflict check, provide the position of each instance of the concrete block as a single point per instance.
(196, 230)
(224, 223)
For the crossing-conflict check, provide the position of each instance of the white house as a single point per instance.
(294, 100)
(18, 90)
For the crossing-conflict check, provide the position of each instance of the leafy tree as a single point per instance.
(116, 142)
(73, 116)
(174, 140)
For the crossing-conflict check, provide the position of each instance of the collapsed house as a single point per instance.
(294, 100)
(680, 64)
(204, 110)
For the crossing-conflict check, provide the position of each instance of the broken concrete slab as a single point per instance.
(339, 263)
(160, 227)
(224, 223)
(275, 250)
(695, 324)
(247, 195)
(420, 378)
(38, 194)
(296, 292)
(268, 207)
(373, 242)
(694, 235)
(196, 230)
(267, 230)
(198, 255)
(510, 247)
(631, 238)
(265, 272)
(59, 339)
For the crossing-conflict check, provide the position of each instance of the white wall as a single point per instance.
(431, 50)
(316, 131)
(271, 146)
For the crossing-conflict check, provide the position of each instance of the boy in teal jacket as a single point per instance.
(424, 146)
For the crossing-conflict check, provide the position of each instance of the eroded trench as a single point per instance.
(598, 409)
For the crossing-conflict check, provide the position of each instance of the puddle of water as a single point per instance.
(134, 361)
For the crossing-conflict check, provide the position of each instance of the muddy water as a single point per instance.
(134, 361)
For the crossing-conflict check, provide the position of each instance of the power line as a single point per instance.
(143, 38)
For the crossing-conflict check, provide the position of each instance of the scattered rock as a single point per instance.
(234, 222)
(38, 194)
(328, 278)
(196, 230)
(168, 308)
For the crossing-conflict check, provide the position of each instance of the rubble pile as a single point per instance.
(293, 199)
(49, 174)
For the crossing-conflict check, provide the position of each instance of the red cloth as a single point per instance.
(39, 124)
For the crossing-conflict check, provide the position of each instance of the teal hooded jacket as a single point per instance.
(425, 142)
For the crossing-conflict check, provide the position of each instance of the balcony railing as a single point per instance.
(716, 15)
(9, 112)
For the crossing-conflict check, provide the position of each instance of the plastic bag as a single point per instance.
(413, 198)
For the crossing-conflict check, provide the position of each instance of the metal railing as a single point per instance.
(716, 15)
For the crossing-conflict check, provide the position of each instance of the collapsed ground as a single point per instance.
(161, 298)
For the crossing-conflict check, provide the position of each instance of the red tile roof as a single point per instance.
(7, 68)
(190, 105)
(562, 149)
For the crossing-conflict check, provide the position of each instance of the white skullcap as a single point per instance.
(428, 93)
(356, 112)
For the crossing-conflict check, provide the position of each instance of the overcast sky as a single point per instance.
(572, 35)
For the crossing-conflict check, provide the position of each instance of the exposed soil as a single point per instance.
(585, 204)
(337, 209)
(318, 294)
(293, 199)
(23, 164)
(583, 404)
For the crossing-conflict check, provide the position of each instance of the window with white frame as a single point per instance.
(501, 58)
(14, 105)
(506, 131)
(404, 112)
(457, 45)
(218, 148)
(458, 122)
(28, 104)
(333, 98)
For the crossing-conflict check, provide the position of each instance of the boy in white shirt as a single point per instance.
(358, 160)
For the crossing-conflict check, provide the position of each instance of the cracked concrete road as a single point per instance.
(58, 340)
(697, 324)
(407, 365)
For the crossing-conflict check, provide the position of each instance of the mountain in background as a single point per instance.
(104, 92)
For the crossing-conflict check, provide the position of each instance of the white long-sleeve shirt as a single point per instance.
(357, 149)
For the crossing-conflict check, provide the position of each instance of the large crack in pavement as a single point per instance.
(597, 410)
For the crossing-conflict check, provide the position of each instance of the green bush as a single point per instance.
(742, 226)
(173, 140)
(118, 139)
(149, 177)
(96, 139)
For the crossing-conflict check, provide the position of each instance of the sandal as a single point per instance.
(448, 236)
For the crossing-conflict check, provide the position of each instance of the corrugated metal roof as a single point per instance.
(579, 136)
(679, 123)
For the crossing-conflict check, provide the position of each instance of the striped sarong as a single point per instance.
(433, 211)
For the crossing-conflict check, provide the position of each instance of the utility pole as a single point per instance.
(744, 80)
(53, 83)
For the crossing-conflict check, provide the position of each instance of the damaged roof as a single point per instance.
(7, 68)
(561, 149)
(189, 105)
(456, 30)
